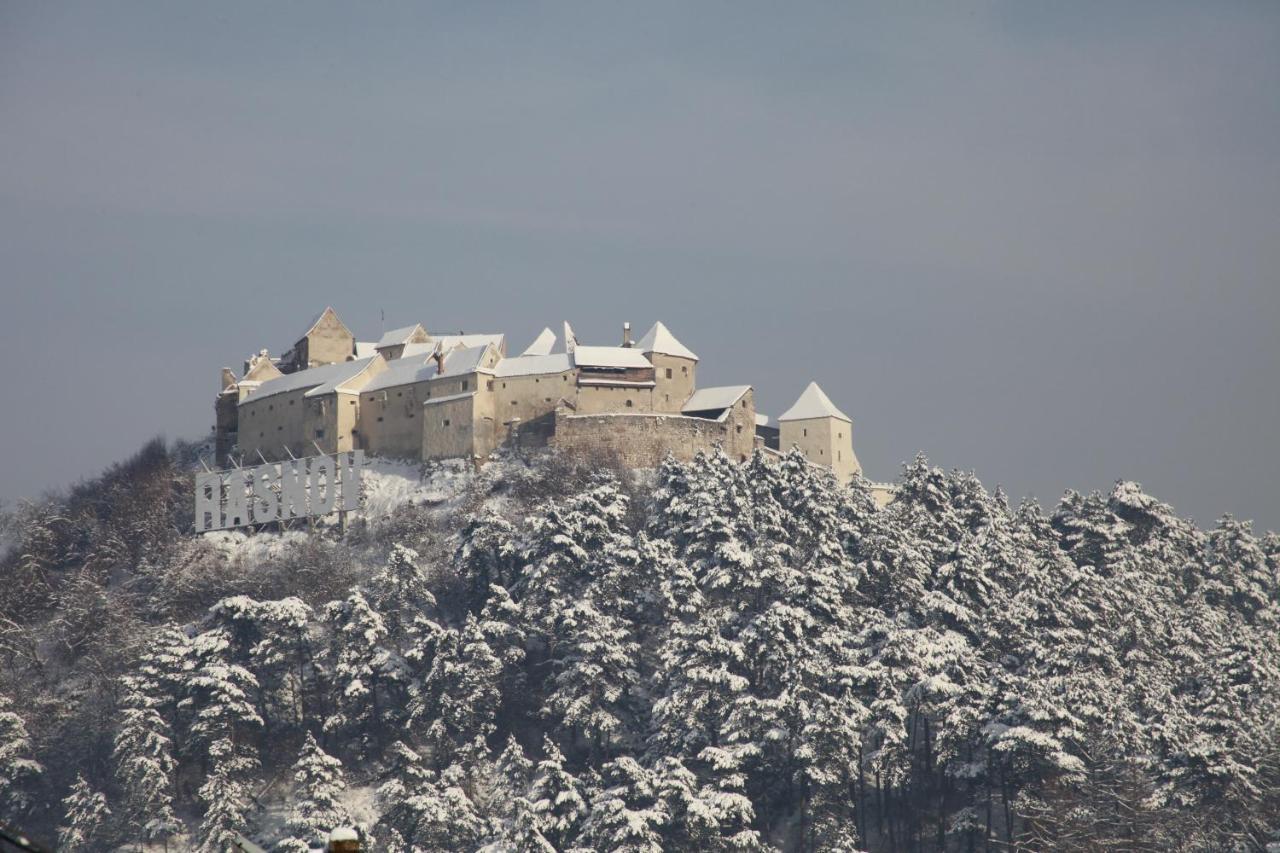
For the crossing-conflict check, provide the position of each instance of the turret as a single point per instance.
(823, 433)
(674, 365)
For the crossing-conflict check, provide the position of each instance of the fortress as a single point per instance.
(416, 395)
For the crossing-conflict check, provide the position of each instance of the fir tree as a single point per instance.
(317, 807)
(19, 771)
(85, 817)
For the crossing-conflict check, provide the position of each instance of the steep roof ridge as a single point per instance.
(813, 403)
(660, 340)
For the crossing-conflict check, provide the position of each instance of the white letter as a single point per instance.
(208, 502)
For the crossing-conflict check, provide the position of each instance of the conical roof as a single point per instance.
(813, 403)
(659, 339)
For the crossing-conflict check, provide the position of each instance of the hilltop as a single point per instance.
(550, 653)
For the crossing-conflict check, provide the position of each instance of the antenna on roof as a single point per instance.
(382, 325)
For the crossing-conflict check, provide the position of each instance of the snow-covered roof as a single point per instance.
(403, 371)
(435, 401)
(366, 349)
(711, 399)
(659, 339)
(542, 344)
(410, 350)
(533, 365)
(464, 360)
(762, 420)
(813, 403)
(448, 342)
(314, 378)
(399, 336)
(612, 357)
(355, 368)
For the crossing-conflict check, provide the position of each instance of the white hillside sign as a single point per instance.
(278, 491)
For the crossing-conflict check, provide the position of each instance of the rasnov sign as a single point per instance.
(280, 491)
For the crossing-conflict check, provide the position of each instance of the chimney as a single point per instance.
(439, 357)
(626, 334)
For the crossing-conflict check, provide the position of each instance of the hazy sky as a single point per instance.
(1036, 240)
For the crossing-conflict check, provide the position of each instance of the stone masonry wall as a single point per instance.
(644, 440)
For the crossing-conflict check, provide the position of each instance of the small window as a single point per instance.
(513, 402)
(319, 433)
(739, 429)
(565, 378)
(379, 419)
(444, 422)
(504, 385)
(806, 431)
(820, 452)
(411, 414)
(628, 404)
(684, 368)
(489, 385)
(279, 428)
(536, 380)
(399, 393)
(271, 406)
(370, 399)
(261, 434)
(668, 372)
(352, 402)
(546, 399)
(464, 385)
(839, 455)
(291, 402)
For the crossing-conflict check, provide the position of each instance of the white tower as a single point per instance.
(822, 432)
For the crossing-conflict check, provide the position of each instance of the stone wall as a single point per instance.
(643, 440)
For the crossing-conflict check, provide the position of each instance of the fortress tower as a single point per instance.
(675, 367)
(822, 432)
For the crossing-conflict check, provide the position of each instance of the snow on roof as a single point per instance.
(354, 369)
(366, 349)
(314, 378)
(464, 360)
(542, 344)
(710, 399)
(448, 342)
(403, 371)
(613, 357)
(435, 401)
(813, 403)
(399, 336)
(659, 339)
(762, 420)
(534, 365)
(410, 350)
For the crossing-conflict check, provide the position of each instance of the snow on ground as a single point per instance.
(391, 483)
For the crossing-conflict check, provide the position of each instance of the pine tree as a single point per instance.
(557, 799)
(19, 771)
(226, 795)
(317, 807)
(145, 762)
(362, 667)
(85, 817)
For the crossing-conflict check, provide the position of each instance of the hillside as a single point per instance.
(553, 655)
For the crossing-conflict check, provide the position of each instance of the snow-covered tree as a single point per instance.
(19, 771)
(145, 762)
(362, 668)
(85, 815)
(317, 806)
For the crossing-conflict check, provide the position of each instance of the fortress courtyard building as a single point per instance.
(416, 395)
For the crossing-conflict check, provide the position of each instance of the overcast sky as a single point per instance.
(1040, 241)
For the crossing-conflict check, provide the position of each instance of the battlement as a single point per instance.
(415, 395)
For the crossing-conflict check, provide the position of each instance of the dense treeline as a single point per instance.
(724, 657)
